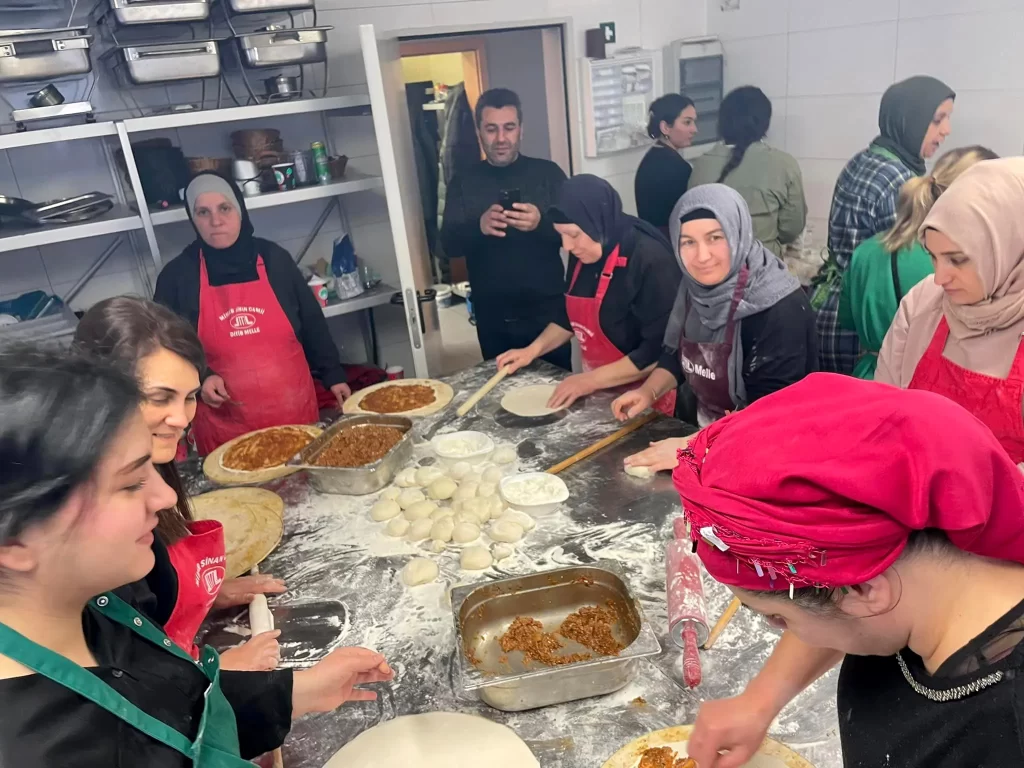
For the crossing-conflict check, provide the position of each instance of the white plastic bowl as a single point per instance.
(508, 487)
(473, 447)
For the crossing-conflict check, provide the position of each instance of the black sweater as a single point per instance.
(517, 275)
(661, 180)
(780, 347)
(639, 299)
(177, 288)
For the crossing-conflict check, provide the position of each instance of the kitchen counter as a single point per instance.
(331, 550)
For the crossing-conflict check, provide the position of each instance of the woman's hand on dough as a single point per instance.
(330, 683)
(660, 455)
(515, 359)
(632, 403)
(728, 732)
(572, 389)
(241, 591)
(260, 654)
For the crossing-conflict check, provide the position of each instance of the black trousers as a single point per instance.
(500, 334)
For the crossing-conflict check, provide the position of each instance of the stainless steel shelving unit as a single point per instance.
(115, 221)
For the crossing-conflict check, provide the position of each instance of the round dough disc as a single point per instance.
(443, 395)
(772, 754)
(253, 520)
(530, 401)
(221, 475)
(639, 471)
(427, 740)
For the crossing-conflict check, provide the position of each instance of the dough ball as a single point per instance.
(443, 488)
(390, 493)
(502, 551)
(638, 471)
(506, 531)
(506, 454)
(478, 508)
(420, 530)
(420, 510)
(521, 519)
(410, 496)
(443, 529)
(475, 558)
(397, 527)
(486, 489)
(419, 570)
(437, 547)
(465, 491)
(473, 477)
(457, 505)
(406, 478)
(495, 506)
(492, 475)
(385, 510)
(460, 469)
(441, 512)
(466, 517)
(426, 475)
(466, 532)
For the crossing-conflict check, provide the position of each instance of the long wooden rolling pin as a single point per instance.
(630, 426)
(723, 622)
(262, 620)
(477, 396)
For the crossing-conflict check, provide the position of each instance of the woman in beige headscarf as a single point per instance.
(960, 335)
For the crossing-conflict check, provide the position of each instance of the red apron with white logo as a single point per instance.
(996, 402)
(706, 365)
(250, 343)
(199, 561)
(596, 348)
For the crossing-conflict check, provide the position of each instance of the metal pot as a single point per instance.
(46, 97)
(282, 85)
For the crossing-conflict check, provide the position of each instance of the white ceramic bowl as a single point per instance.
(473, 447)
(511, 488)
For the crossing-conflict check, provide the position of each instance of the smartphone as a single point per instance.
(508, 198)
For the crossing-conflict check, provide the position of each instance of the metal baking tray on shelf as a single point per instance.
(356, 481)
(262, 6)
(165, 62)
(43, 54)
(70, 210)
(278, 46)
(483, 612)
(129, 12)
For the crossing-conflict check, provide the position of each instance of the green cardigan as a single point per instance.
(868, 303)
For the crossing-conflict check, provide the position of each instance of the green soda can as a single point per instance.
(323, 173)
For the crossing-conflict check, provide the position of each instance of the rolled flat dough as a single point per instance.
(530, 401)
(772, 754)
(436, 740)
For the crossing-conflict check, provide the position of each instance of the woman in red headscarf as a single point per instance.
(879, 528)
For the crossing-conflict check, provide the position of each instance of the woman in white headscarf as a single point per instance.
(741, 327)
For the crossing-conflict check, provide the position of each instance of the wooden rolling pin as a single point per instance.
(629, 426)
(262, 620)
(723, 622)
(477, 396)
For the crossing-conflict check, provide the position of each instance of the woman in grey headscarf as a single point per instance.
(741, 327)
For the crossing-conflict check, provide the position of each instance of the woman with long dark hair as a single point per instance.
(149, 342)
(767, 178)
(86, 678)
(664, 174)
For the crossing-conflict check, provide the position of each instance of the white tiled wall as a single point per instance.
(825, 64)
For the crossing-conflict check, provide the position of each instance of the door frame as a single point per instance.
(463, 45)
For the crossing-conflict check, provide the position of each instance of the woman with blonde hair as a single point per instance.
(884, 268)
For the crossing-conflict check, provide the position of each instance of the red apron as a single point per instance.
(996, 402)
(585, 318)
(199, 561)
(250, 343)
(706, 365)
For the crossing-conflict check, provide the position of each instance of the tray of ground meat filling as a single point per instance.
(550, 637)
(357, 454)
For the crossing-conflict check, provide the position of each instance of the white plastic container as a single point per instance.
(535, 493)
(444, 295)
(473, 447)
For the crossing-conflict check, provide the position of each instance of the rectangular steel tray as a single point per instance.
(42, 54)
(262, 6)
(130, 12)
(356, 481)
(165, 62)
(277, 47)
(483, 612)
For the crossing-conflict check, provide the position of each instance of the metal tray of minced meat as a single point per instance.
(356, 481)
(483, 613)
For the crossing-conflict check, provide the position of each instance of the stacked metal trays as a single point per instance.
(129, 12)
(147, 63)
(483, 612)
(356, 481)
(43, 54)
(275, 47)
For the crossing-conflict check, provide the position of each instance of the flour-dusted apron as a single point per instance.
(706, 365)
(199, 561)
(250, 343)
(216, 743)
(996, 402)
(596, 348)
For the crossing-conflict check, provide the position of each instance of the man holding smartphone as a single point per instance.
(494, 218)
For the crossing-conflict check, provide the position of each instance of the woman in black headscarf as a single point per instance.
(621, 283)
(264, 334)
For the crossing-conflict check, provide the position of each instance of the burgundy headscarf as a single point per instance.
(821, 484)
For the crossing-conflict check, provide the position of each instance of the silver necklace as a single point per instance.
(952, 694)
